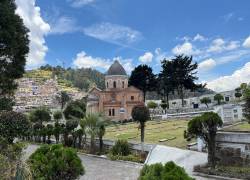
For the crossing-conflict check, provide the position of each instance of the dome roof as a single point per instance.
(116, 69)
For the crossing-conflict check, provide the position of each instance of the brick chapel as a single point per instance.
(117, 99)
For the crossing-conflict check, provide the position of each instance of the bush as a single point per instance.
(121, 148)
(169, 171)
(131, 157)
(13, 125)
(54, 162)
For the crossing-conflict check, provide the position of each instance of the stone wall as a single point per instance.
(233, 148)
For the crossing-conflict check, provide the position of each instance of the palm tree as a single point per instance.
(94, 125)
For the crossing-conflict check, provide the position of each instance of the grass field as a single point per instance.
(170, 131)
(244, 126)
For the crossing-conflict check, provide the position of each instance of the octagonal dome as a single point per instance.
(116, 69)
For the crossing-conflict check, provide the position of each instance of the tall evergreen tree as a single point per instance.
(184, 75)
(142, 77)
(14, 47)
(165, 81)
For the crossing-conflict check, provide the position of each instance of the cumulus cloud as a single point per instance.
(32, 19)
(220, 45)
(63, 24)
(113, 33)
(185, 48)
(80, 3)
(246, 43)
(199, 37)
(146, 58)
(206, 65)
(82, 60)
(225, 83)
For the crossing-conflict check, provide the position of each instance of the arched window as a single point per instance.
(114, 84)
(107, 85)
(122, 84)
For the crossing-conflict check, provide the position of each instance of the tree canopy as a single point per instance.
(205, 127)
(75, 109)
(55, 162)
(41, 114)
(13, 125)
(218, 98)
(14, 47)
(206, 100)
(142, 77)
(158, 171)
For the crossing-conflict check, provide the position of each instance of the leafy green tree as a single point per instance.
(141, 115)
(164, 105)
(63, 98)
(206, 100)
(238, 92)
(165, 80)
(218, 98)
(142, 77)
(152, 105)
(57, 131)
(184, 75)
(57, 115)
(169, 171)
(55, 162)
(69, 129)
(6, 103)
(75, 109)
(246, 106)
(14, 47)
(243, 86)
(50, 130)
(13, 125)
(205, 127)
(40, 115)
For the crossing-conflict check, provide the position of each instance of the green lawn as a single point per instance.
(244, 126)
(154, 132)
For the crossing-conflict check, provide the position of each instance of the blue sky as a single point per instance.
(92, 33)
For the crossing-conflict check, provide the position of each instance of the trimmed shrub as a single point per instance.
(55, 162)
(121, 148)
(169, 171)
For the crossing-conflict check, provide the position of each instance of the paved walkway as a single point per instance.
(97, 168)
(184, 158)
(104, 169)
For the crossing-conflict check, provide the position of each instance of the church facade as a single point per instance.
(117, 100)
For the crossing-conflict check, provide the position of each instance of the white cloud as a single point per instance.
(225, 83)
(186, 48)
(38, 29)
(206, 65)
(80, 3)
(199, 37)
(220, 45)
(228, 16)
(113, 33)
(246, 43)
(63, 24)
(160, 55)
(146, 58)
(83, 60)
(217, 45)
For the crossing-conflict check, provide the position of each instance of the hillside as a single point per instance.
(83, 78)
(42, 76)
